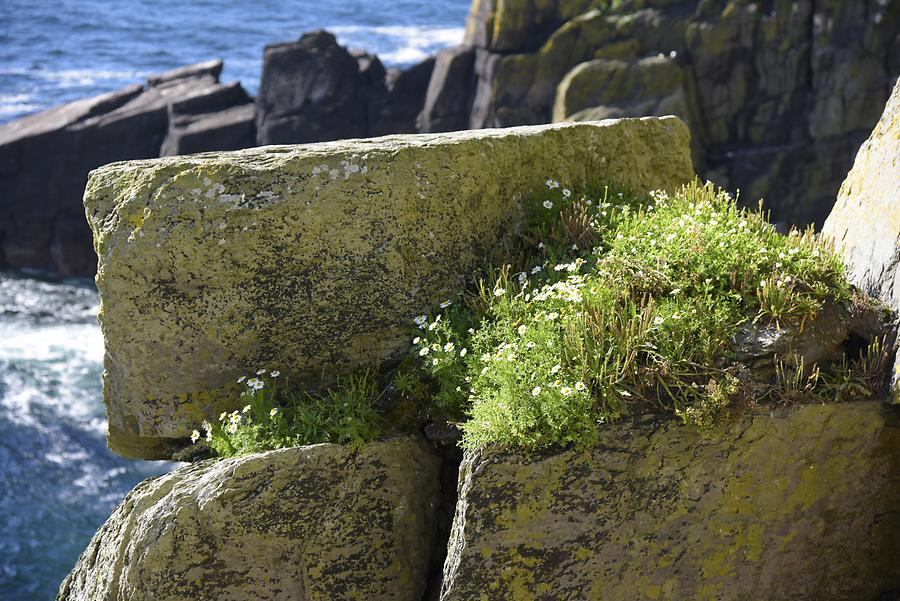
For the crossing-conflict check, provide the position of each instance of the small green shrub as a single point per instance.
(611, 301)
(272, 418)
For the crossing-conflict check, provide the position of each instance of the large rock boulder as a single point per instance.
(797, 505)
(314, 90)
(303, 258)
(45, 159)
(310, 523)
(784, 92)
(865, 221)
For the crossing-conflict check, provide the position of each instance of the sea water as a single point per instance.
(55, 51)
(58, 482)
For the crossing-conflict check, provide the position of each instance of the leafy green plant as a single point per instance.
(272, 418)
(612, 301)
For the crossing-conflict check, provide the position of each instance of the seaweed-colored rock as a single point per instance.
(865, 221)
(305, 258)
(801, 504)
(784, 92)
(308, 523)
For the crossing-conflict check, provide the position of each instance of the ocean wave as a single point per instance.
(399, 44)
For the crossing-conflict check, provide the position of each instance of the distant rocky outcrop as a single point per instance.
(45, 159)
(304, 258)
(778, 96)
(865, 222)
(315, 90)
(796, 505)
(304, 524)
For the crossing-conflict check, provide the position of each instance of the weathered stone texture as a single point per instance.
(797, 505)
(323, 522)
(306, 258)
(778, 95)
(865, 221)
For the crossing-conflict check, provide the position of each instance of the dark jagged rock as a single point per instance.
(448, 101)
(314, 90)
(223, 119)
(405, 97)
(783, 92)
(45, 159)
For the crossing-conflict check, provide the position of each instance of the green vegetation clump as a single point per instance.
(608, 303)
(613, 302)
(274, 418)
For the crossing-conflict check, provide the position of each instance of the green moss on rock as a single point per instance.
(799, 504)
(309, 523)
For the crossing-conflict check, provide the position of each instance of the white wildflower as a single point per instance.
(246, 409)
(522, 329)
(463, 352)
(260, 372)
(421, 320)
(536, 391)
(195, 436)
(579, 386)
(448, 348)
(555, 368)
(275, 373)
(566, 192)
(424, 351)
(499, 291)
(548, 204)
(552, 183)
(565, 390)
(446, 303)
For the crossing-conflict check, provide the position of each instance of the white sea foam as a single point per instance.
(399, 45)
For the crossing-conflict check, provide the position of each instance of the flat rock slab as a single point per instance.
(801, 505)
(322, 522)
(307, 259)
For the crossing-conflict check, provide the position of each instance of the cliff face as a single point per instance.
(791, 503)
(865, 221)
(778, 95)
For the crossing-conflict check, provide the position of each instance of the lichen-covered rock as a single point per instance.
(648, 86)
(797, 505)
(784, 91)
(305, 258)
(865, 222)
(322, 522)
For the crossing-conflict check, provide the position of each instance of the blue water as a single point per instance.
(55, 51)
(58, 482)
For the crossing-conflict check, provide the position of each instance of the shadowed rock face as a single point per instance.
(309, 257)
(45, 159)
(314, 90)
(310, 523)
(796, 505)
(865, 222)
(778, 95)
